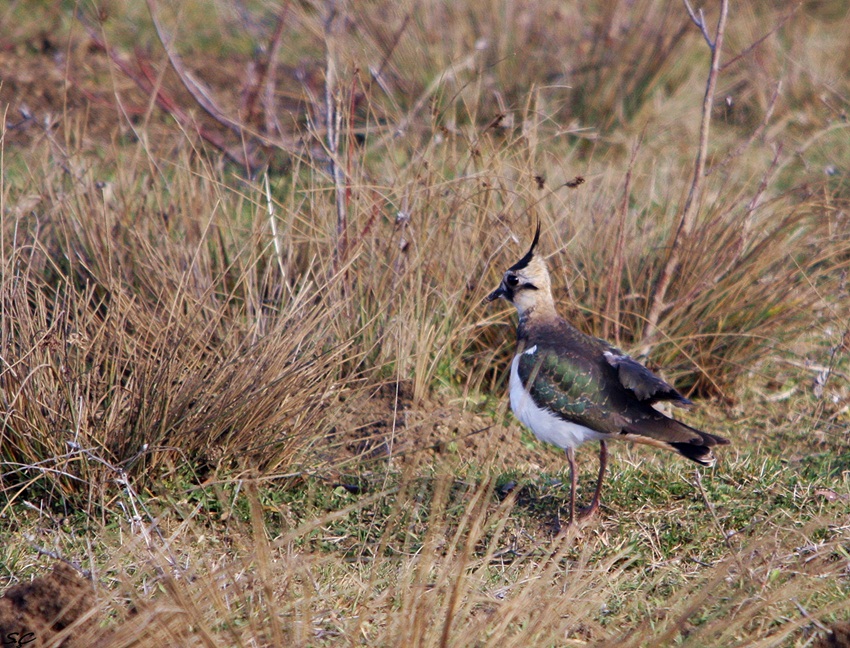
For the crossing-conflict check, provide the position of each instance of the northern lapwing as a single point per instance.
(570, 388)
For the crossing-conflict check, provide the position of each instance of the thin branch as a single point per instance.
(267, 68)
(727, 535)
(699, 21)
(612, 305)
(707, 102)
(394, 41)
(466, 63)
(689, 212)
(333, 123)
(759, 41)
(149, 83)
(377, 73)
(756, 200)
(198, 92)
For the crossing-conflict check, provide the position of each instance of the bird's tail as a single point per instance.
(679, 437)
(701, 454)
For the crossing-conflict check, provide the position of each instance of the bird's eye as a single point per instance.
(512, 280)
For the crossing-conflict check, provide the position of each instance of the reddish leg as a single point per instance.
(571, 458)
(603, 462)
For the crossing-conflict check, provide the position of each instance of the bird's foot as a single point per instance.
(587, 512)
(582, 516)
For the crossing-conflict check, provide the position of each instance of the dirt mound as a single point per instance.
(33, 614)
(839, 637)
(388, 424)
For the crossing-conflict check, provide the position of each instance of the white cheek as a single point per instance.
(523, 300)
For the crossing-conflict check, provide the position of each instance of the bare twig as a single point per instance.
(202, 95)
(699, 21)
(708, 100)
(137, 506)
(690, 210)
(756, 200)
(199, 93)
(147, 82)
(451, 72)
(333, 122)
(727, 535)
(392, 46)
(759, 41)
(810, 618)
(819, 368)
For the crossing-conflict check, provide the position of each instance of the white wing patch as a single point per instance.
(530, 351)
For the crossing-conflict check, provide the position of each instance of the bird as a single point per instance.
(569, 388)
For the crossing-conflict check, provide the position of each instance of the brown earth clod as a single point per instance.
(35, 613)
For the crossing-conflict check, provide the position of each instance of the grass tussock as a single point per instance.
(243, 345)
(138, 332)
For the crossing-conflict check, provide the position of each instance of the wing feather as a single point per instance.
(569, 387)
(644, 384)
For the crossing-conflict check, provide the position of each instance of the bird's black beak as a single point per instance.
(499, 292)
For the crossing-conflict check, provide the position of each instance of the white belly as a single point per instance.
(545, 425)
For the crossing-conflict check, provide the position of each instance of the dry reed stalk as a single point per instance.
(689, 212)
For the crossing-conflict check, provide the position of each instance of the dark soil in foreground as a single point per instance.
(36, 613)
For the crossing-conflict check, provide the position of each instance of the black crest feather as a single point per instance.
(524, 261)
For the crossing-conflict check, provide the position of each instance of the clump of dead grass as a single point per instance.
(139, 330)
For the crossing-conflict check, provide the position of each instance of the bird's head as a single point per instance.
(526, 283)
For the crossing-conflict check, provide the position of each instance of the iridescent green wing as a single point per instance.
(568, 385)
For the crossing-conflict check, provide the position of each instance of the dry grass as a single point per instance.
(176, 331)
(449, 566)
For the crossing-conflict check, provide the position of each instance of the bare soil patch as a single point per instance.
(387, 424)
(35, 613)
(838, 637)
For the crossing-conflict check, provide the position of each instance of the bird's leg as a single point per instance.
(603, 462)
(571, 459)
